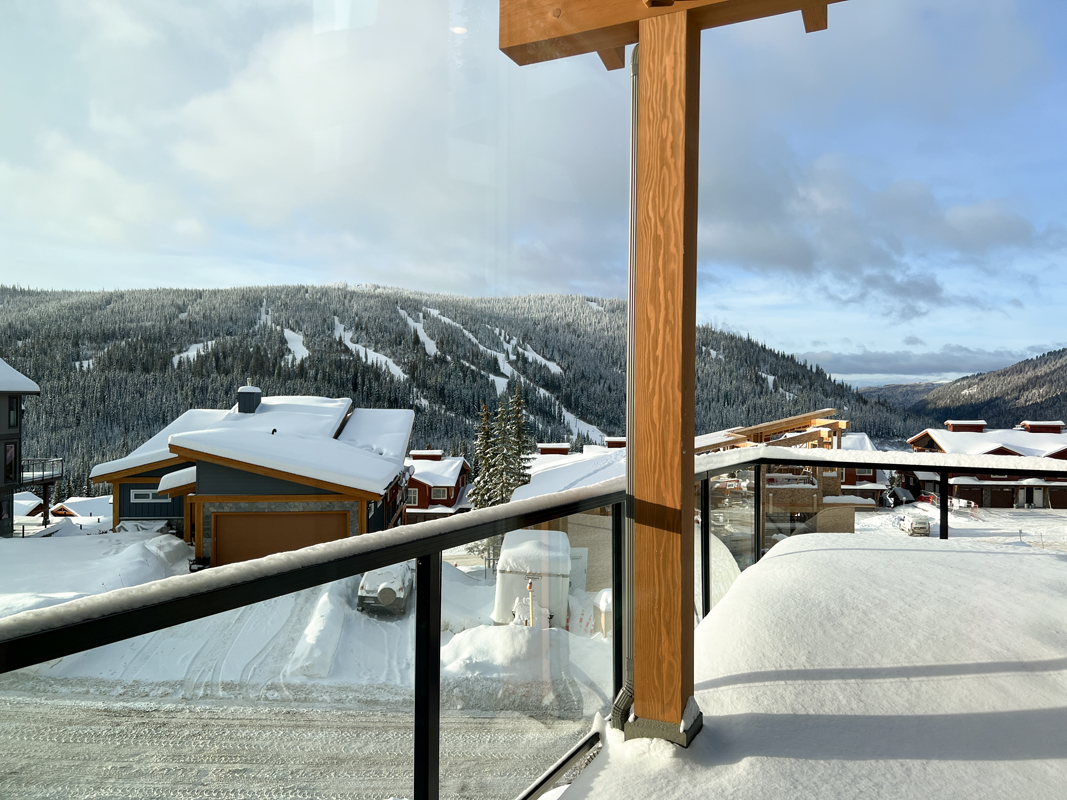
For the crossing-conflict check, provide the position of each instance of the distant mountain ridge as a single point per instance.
(115, 367)
(1032, 389)
(901, 395)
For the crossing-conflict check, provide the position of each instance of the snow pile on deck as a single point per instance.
(871, 665)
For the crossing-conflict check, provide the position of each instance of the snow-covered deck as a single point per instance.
(870, 665)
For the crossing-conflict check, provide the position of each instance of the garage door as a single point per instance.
(244, 536)
(1058, 498)
(1002, 498)
(974, 495)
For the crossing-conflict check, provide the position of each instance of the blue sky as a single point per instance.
(885, 197)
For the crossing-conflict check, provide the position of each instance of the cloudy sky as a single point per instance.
(886, 198)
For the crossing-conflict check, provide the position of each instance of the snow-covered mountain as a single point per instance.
(115, 367)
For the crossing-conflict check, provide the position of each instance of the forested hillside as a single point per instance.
(115, 367)
(901, 395)
(1033, 389)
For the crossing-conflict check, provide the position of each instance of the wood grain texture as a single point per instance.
(194, 456)
(613, 58)
(815, 18)
(531, 32)
(187, 521)
(664, 332)
(115, 508)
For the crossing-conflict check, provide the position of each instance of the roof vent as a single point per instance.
(553, 449)
(615, 442)
(248, 398)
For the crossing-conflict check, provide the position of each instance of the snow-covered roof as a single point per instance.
(554, 473)
(1042, 422)
(317, 458)
(14, 382)
(26, 502)
(429, 453)
(386, 432)
(965, 422)
(973, 443)
(155, 449)
(99, 506)
(708, 441)
(535, 552)
(970, 480)
(436, 473)
(857, 441)
(299, 416)
(181, 477)
(926, 476)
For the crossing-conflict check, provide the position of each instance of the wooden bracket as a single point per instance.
(815, 18)
(613, 57)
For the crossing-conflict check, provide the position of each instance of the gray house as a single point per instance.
(13, 387)
(268, 475)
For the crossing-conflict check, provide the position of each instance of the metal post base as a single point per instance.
(654, 729)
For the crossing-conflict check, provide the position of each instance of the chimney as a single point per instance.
(615, 442)
(549, 449)
(248, 398)
(966, 425)
(426, 455)
(1049, 426)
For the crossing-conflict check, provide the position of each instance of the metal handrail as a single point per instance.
(40, 469)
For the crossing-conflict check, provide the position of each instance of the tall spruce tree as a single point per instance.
(480, 496)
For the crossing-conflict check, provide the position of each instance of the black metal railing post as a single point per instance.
(757, 512)
(618, 569)
(943, 505)
(705, 542)
(427, 756)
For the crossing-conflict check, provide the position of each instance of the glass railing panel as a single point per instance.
(516, 696)
(307, 694)
(698, 558)
(810, 500)
(731, 535)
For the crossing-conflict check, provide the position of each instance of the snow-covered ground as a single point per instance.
(382, 361)
(192, 352)
(875, 665)
(1039, 528)
(299, 646)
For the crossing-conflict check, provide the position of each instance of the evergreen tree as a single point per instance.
(479, 493)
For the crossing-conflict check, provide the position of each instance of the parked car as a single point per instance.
(915, 525)
(387, 589)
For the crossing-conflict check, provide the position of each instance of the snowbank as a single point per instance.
(870, 665)
(38, 572)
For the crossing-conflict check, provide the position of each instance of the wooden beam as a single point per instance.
(126, 474)
(815, 18)
(187, 520)
(664, 341)
(532, 31)
(613, 58)
(115, 507)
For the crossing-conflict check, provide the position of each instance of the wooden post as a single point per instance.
(664, 342)
(116, 492)
(187, 519)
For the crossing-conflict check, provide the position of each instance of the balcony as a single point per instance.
(467, 706)
(41, 471)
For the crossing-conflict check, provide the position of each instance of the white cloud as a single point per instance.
(75, 195)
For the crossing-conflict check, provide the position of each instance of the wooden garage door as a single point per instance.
(242, 536)
(974, 495)
(1058, 498)
(1002, 498)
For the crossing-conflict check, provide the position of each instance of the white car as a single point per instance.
(914, 525)
(387, 589)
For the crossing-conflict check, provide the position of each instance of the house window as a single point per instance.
(147, 496)
(438, 494)
(413, 497)
(10, 462)
(864, 472)
(13, 412)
